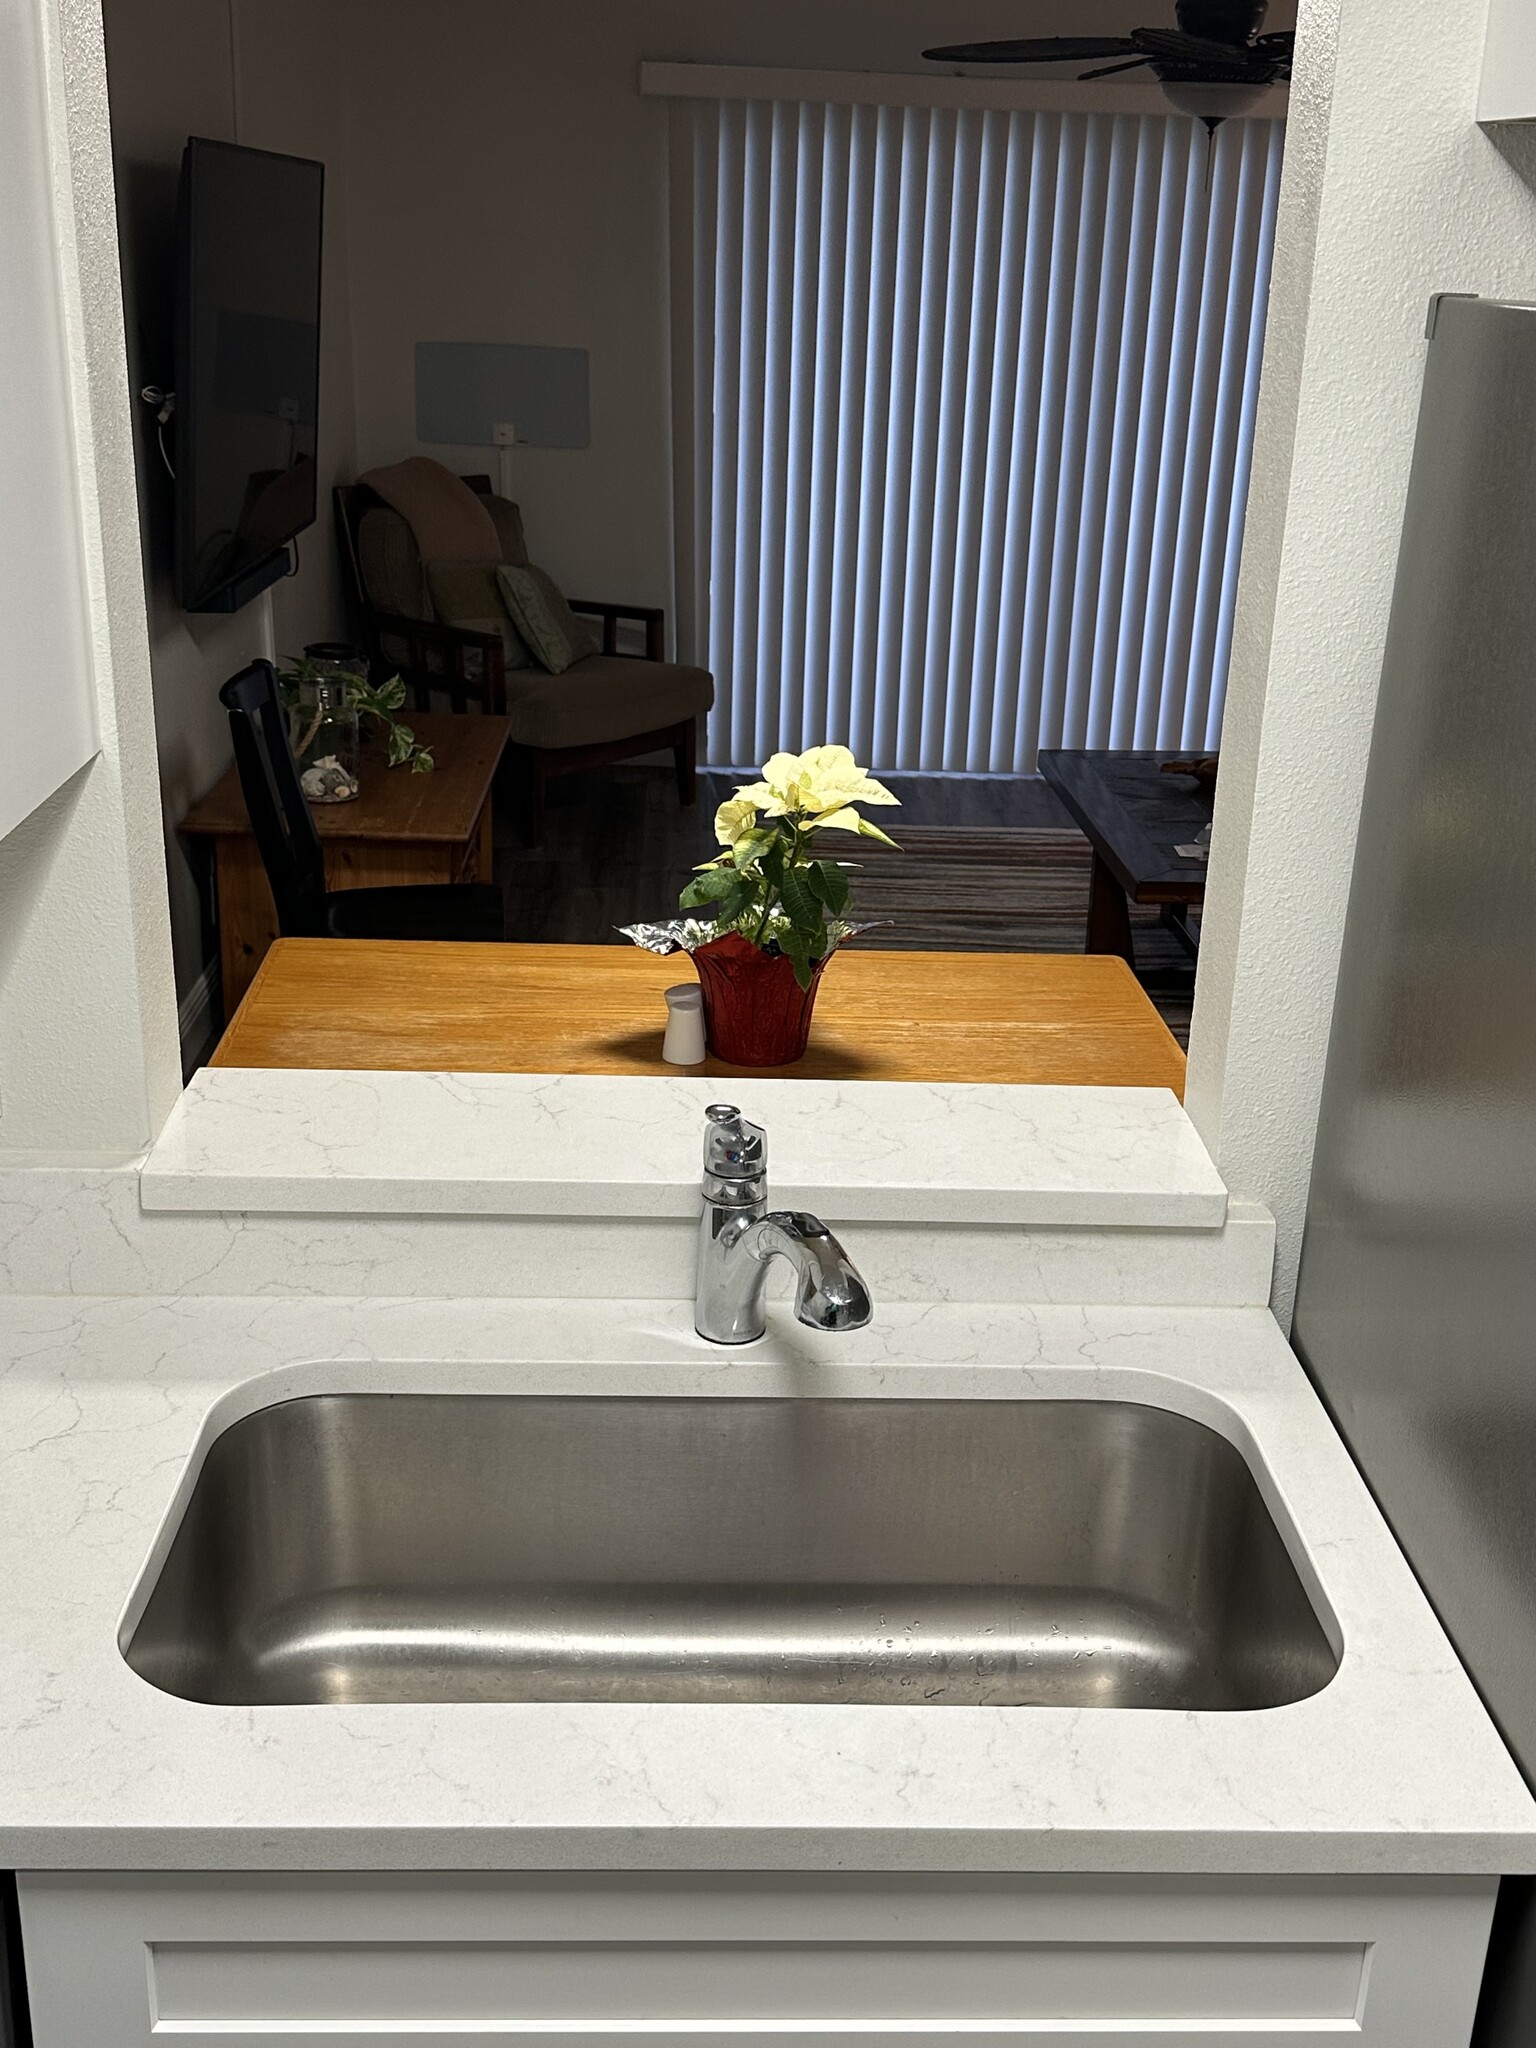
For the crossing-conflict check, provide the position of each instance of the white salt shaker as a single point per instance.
(683, 1045)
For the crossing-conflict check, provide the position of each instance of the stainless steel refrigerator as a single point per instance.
(1416, 1308)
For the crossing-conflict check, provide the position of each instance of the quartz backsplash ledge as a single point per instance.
(510, 1187)
(306, 1142)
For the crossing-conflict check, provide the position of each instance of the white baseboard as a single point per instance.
(194, 1014)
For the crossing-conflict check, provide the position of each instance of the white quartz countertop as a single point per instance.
(1392, 1767)
(300, 1141)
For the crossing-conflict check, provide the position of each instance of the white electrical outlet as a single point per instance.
(504, 435)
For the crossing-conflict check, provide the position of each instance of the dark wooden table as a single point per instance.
(400, 828)
(1134, 817)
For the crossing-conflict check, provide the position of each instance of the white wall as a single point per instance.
(267, 73)
(1391, 193)
(88, 1059)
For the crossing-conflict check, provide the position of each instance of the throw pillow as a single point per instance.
(544, 619)
(467, 594)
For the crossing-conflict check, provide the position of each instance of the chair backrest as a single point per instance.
(352, 502)
(396, 563)
(282, 821)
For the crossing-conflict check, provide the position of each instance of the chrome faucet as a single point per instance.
(739, 1237)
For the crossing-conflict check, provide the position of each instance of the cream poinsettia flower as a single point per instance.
(848, 820)
(735, 819)
(816, 784)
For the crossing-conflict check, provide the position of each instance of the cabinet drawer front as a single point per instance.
(723, 1989)
(737, 1961)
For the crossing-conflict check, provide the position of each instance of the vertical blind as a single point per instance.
(965, 408)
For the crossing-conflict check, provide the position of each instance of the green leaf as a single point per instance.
(402, 742)
(710, 887)
(730, 909)
(800, 901)
(388, 696)
(422, 762)
(831, 885)
(798, 955)
(749, 847)
(873, 832)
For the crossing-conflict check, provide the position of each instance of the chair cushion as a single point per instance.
(606, 697)
(540, 613)
(391, 567)
(467, 594)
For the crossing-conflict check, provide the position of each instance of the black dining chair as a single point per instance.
(289, 843)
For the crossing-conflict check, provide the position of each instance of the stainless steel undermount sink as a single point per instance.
(371, 1547)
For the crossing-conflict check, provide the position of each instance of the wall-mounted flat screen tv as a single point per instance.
(247, 368)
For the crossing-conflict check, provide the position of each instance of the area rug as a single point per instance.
(973, 889)
(1001, 889)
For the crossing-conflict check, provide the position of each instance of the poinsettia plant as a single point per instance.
(772, 884)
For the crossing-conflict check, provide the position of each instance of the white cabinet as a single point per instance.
(1508, 88)
(47, 689)
(782, 1961)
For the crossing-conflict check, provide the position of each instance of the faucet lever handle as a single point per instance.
(734, 1150)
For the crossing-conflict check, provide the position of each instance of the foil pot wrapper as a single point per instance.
(687, 934)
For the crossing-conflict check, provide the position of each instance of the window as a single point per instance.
(965, 410)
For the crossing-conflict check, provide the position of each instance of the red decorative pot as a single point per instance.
(755, 1012)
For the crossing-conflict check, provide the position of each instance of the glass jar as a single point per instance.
(324, 731)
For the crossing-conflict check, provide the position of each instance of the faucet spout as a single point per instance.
(739, 1238)
(830, 1293)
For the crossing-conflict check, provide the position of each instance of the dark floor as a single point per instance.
(618, 847)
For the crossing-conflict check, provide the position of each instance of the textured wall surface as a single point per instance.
(1391, 193)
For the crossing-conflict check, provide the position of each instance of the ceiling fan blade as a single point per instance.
(1034, 50)
(1173, 46)
(1114, 70)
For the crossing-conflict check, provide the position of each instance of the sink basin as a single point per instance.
(372, 1547)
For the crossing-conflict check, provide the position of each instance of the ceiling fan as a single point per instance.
(1214, 65)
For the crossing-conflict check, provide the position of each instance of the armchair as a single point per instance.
(611, 706)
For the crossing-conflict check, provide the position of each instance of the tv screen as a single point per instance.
(247, 368)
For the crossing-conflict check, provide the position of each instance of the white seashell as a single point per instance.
(326, 782)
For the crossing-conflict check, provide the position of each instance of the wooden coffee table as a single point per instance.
(1011, 1017)
(401, 828)
(1134, 817)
